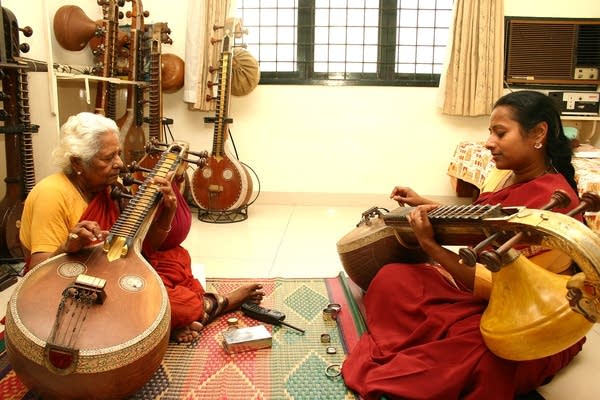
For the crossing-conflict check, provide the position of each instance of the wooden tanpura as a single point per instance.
(95, 324)
(106, 54)
(131, 123)
(224, 184)
(158, 33)
(17, 130)
(532, 312)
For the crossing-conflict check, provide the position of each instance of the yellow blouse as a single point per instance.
(52, 207)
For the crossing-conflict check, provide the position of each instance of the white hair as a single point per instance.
(80, 138)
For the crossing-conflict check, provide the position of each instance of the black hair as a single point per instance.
(529, 109)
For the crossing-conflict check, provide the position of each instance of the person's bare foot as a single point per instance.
(249, 293)
(188, 333)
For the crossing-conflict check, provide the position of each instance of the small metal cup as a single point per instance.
(331, 312)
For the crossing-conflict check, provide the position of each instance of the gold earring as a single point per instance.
(537, 146)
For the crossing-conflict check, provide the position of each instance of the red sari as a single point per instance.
(423, 339)
(172, 262)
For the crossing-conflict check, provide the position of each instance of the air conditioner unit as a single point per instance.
(552, 51)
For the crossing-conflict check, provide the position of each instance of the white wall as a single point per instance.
(324, 139)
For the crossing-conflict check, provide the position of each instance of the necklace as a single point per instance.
(511, 178)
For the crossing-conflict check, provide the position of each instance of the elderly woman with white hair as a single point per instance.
(71, 209)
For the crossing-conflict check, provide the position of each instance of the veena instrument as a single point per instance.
(158, 34)
(106, 92)
(224, 184)
(532, 312)
(95, 324)
(131, 123)
(17, 129)
(383, 237)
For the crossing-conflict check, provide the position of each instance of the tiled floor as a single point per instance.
(283, 240)
(275, 241)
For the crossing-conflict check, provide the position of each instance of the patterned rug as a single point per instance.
(293, 368)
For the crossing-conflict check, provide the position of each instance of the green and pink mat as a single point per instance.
(293, 368)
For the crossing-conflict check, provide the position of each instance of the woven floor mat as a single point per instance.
(293, 368)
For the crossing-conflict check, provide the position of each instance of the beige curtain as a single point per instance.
(473, 74)
(200, 53)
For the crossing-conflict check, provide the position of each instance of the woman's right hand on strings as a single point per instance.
(83, 234)
(169, 200)
(421, 225)
(406, 196)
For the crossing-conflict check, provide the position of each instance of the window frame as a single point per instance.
(386, 56)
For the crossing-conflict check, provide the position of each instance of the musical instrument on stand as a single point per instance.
(17, 129)
(131, 123)
(224, 184)
(532, 312)
(95, 324)
(158, 33)
(106, 54)
(166, 73)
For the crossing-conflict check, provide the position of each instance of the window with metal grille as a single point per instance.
(353, 42)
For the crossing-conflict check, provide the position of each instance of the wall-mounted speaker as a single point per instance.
(552, 51)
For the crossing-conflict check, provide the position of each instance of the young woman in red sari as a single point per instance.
(71, 209)
(423, 339)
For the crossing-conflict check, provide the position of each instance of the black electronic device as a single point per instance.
(267, 315)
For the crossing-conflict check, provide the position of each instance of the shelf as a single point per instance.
(548, 81)
(579, 118)
(87, 78)
(62, 75)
